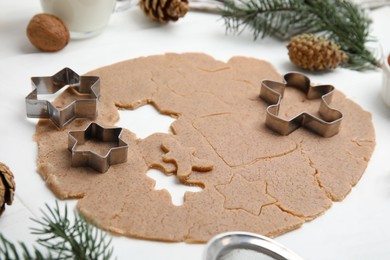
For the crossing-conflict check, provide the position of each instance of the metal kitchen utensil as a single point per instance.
(221, 245)
(89, 158)
(327, 125)
(86, 107)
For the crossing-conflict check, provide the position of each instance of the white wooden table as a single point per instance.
(356, 228)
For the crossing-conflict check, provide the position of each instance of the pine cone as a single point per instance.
(7, 187)
(312, 52)
(164, 11)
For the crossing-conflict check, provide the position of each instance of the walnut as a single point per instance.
(47, 32)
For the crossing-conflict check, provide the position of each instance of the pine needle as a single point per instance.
(342, 21)
(62, 238)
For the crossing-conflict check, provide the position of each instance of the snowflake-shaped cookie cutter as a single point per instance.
(327, 125)
(88, 158)
(86, 107)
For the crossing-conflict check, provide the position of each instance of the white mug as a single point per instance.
(386, 80)
(84, 18)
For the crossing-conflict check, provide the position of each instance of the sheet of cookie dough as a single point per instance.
(252, 179)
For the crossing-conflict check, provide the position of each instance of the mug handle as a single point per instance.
(123, 5)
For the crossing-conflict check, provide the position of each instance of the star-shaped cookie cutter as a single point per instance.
(80, 108)
(88, 158)
(327, 125)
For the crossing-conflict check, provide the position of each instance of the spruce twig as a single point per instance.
(62, 238)
(9, 251)
(342, 21)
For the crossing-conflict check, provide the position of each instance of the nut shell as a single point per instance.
(7, 187)
(48, 32)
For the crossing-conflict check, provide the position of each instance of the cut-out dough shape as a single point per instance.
(255, 192)
(184, 158)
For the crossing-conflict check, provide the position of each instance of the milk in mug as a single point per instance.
(84, 18)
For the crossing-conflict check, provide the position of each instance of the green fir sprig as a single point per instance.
(63, 239)
(341, 21)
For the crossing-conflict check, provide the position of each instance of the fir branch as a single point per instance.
(342, 21)
(262, 17)
(62, 238)
(10, 251)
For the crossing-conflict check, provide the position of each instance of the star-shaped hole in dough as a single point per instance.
(240, 193)
(184, 158)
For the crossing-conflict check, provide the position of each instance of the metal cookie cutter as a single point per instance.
(80, 108)
(272, 92)
(100, 163)
(221, 245)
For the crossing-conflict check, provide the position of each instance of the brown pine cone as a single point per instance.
(312, 52)
(7, 187)
(164, 11)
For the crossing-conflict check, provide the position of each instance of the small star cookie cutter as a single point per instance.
(327, 125)
(88, 158)
(80, 108)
